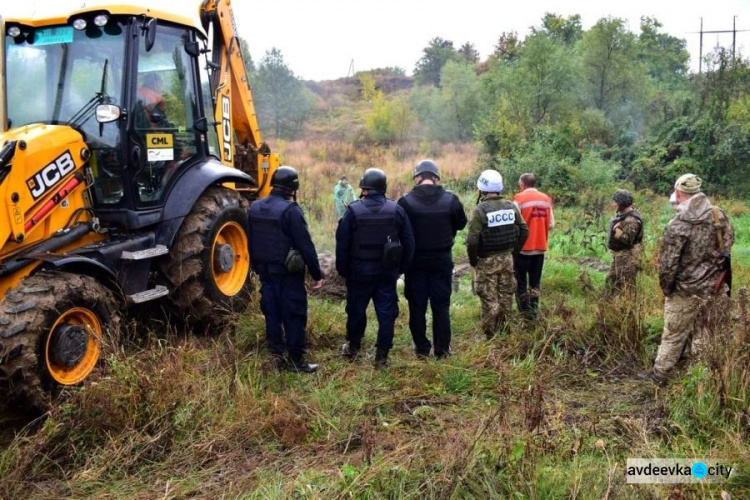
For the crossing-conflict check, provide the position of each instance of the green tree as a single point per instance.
(567, 30)
(507, 47)
(389, 119)
(434, 56)
(247, 57)
(664, 57)
(610, 69)
(369, 88)
(460, 93)
(469, 52)
(539, 87)
(280, 97)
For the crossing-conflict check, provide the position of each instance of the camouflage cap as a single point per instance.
(623, 197)
(689, 184)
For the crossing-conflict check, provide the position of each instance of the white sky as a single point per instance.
(320, 38)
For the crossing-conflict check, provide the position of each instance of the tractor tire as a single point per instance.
(208, 265)
(55, 328)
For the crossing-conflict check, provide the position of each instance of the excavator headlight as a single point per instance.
(14, 31)
(80, 24)
(101, 20)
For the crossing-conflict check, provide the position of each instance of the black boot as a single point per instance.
(299, 365)
(279, 361)
(381, 358)
(350, 351)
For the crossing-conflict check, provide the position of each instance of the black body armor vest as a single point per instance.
(431, 223)
(373, 228)
(268, 243)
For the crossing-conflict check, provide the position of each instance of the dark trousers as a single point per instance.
(283, 300)
(433, 285)
(382, 291)
(528, 276)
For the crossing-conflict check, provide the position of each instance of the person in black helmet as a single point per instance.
(436, 215)
(374, 244)
(277, 227)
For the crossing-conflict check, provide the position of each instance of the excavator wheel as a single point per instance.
(55, 327)
(209, 263)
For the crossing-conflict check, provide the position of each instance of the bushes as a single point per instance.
(561, 171)
(389, 120)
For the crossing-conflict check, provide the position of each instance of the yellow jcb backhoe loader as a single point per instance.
(129, 153)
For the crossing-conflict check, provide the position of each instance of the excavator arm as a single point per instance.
(234, 112)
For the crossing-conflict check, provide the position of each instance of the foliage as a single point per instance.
(281, 99)
(549, 410)
(386, 71)
(434, 56)
(566, 30)
(389, 119)
(469, 52)
(449, 113)
(247, 58)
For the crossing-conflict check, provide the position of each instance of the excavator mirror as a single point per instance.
(150, 34)
(201, 125)
(106, 113)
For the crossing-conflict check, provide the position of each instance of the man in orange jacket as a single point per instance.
(536, 210)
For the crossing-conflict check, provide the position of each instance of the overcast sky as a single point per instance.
(320, 38)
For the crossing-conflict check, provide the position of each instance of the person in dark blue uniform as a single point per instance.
(277, 227)
(436, 215)
(374, 244)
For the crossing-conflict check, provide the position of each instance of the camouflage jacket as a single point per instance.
(626, 231)
(690, 262)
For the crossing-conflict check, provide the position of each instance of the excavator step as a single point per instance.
(148, 253)
(146, 295)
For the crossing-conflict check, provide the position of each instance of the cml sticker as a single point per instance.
(501, 218)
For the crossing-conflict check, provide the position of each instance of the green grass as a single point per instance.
(547, 411)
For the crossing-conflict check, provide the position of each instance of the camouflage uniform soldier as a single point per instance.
(496, 230)
(625, 237)
(692, 275)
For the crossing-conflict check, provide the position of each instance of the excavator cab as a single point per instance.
(129, 155)
(135, 87)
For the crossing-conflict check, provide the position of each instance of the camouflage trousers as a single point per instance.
(690, 324)
(495, 284)
(623, 270)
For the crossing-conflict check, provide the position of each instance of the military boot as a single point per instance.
(350, 350)
(297, 364)
(279, 361)
(381, 358)
(651, 376)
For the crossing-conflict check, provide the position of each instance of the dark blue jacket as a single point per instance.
(350, 267)
(293, 225)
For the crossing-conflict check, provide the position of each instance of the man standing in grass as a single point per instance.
(624, 241)
(374, 245)
(436, 215)
(693, 274)
(536, 209)
(277, 226)
(495, 232)
(343, 194)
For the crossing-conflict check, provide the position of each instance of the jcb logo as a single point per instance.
(226, 128)
(50, 175)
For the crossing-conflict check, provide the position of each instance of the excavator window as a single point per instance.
(55, 74)
(165, 108)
